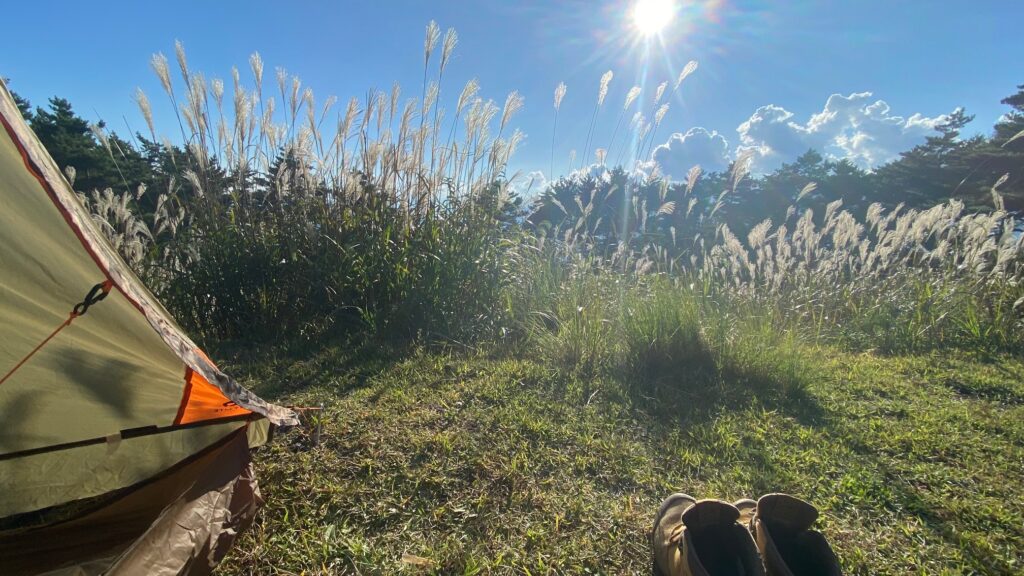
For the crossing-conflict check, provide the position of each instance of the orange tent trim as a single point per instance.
(204, 401)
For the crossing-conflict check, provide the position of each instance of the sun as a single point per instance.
(652, 16)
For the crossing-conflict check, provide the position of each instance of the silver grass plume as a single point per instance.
(741, 168)
(466, 96)
(179, 52)
(256, 63)
(759, 234)
(997, 198)
(559, 94)
(660, 92)
(101, 135)
(810, 187)
(691, 178)
(147, 111)
(602, 92)
(159, 64)
(448, 46)
(430, 41)
(690, 205)
(430, 98)
(632, 95)
(281, 75)
(217, 87)
(690, 68)
(660, 114)
(513, 103)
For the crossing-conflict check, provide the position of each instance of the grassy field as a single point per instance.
(726, 335)
(567, 352)
(477, 464)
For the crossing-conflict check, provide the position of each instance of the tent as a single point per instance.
(123, 448)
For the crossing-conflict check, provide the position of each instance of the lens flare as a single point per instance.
(652, 16)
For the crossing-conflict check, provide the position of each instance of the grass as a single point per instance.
(433, 462)
(863, 362)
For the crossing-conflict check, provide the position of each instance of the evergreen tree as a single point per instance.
(932, 172)
(1013, 122)
(1001, 155)
(71, 142)
(24, 106)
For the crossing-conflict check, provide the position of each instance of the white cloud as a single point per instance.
(646, 170)
(595, 171)
(854, 127)
(529, 185)
(857, 127)
(602, 172)
(683, 151)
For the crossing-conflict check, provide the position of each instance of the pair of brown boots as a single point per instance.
(713, 538)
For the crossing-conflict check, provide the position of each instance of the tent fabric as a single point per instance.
(181, 522)
(204, 401)
(40, 481)
(93, 399)
(35, 267)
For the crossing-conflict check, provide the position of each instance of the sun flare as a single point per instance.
(652, 16)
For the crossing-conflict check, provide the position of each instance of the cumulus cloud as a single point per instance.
(641, 171)
(529, 185)
(595, 171)
(856, 127)
(683, 151)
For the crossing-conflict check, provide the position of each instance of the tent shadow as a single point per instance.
(695, 391)
(334, 367)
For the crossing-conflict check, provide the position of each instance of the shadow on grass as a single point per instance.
(336, 367)
(697, 387)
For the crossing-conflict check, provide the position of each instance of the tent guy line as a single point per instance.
(98, 292)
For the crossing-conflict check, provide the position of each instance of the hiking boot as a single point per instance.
(782, 527)
(692, 538)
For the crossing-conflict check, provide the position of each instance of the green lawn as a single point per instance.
(466, 464)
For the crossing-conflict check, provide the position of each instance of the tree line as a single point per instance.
(618, 206)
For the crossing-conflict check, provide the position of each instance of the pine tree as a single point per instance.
(1002, 155)
(71, 142)
(24, 106)
(1013, 122)
(933, 172)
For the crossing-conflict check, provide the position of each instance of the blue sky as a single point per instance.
(769, 66)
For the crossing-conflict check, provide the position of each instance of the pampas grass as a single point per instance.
(386, 213)
(287, 213)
